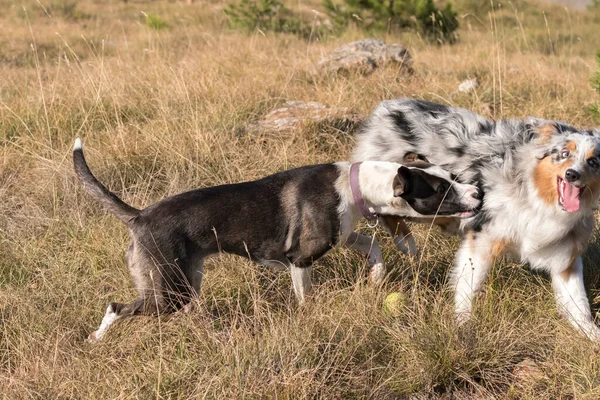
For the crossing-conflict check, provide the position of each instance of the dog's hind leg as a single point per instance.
(472, 265)
(371, 249)
(149, 284)
(572, 299)
(401, 234)
(301, 281)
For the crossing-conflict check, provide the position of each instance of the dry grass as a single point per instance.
(163, 111)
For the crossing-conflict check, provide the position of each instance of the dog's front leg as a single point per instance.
(572, 300)
(401, 234)
(110, 317)
(117, 311)
(301, 281)
(472, 265)
(368, 246)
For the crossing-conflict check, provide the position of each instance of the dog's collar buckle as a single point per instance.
(357, 194)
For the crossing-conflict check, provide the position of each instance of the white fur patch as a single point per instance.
(301, 282)
(378, 273)
(78, 144)
(109, 318)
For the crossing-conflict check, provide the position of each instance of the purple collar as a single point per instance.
(357, 194)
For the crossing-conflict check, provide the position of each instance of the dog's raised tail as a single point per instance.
(97, 190)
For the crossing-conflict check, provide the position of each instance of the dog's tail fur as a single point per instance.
(94, 188)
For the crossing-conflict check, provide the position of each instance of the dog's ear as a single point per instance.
(544, 134)
(415, 160)
(412, 157)
(401, 183)
(544, 131)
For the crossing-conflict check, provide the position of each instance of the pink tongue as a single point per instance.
(570, 197)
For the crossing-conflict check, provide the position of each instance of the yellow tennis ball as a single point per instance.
(394, 302)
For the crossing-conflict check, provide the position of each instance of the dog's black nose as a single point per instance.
(477, 195)
(571, 175)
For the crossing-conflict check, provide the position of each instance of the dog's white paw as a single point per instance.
(93, 337)
(377, 273)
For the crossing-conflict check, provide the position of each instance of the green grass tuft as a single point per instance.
(154, 22)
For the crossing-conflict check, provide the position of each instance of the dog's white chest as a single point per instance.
(535, 233)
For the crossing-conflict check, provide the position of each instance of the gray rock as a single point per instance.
(295, 113)
(363, 57)
(527, 370)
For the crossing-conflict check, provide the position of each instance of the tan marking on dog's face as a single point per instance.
(572, 146)
(545, 176)
(545, 132)
(591, 153)
(574, 150)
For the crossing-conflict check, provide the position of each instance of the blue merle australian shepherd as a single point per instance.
(541, 183)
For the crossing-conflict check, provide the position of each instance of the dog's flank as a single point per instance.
(288, 219)
(541, 181)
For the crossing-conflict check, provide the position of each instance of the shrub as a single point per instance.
(595, 109)
(438, 25)
(67, 10)
(265, 15)
(154, 22)
(596, 76)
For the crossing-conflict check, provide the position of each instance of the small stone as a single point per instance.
(526, 370)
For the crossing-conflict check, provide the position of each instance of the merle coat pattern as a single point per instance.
(541, 183)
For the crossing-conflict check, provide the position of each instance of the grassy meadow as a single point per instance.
(162, 107)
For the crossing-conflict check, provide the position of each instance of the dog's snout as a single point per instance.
(477, 194)
(571, 175)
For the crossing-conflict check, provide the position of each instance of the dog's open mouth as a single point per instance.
(467, 214)
(568, 195)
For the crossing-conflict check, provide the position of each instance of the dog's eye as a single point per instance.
(565, 153)
(592, 162)
(443, 188)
